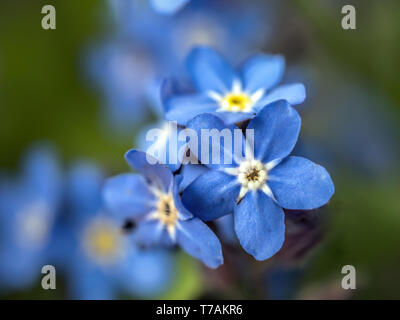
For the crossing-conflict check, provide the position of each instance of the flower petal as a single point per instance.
(276, 129)
(190, 172)
(197, 239)
(151, 233)
(127, 196)
(92, 284)
(233, 117)
(298, 183)
(260, 225)
(147, 272)
(210, 71)
(185, 107)
(41, 173)
(294, 93)
(262, 72)
(226, 230)
(211, 195)
(156, 173)
(83, 188)
(212, 130)
(184, 213)
(168, 6)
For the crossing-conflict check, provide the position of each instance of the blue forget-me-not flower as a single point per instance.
(219, 24)
(232, 95)
(259, 186)
(127, 67)
(153, 200)
(101, 259)
(29, 207)
(125, 74)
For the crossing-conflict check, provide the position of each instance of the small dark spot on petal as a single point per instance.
(128, 226)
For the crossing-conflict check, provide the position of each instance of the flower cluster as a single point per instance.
(129, 65)
(111, 236)
(255, 188)
(48, 217)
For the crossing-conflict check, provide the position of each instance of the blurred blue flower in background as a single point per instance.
(366, 144)
(154, 201)
(257, 188)
(29, 206)
(230, 95)
(146, 46)
(102, 260)
(168, 6)
(231, 26)
(125, 75)
(160, 6)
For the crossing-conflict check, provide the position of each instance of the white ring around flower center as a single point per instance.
(252, 174)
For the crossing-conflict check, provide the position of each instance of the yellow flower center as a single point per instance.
(236, 102)
(103, 241)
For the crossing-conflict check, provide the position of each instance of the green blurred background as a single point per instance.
(44, 95)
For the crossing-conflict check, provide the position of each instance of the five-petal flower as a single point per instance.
(231, 95)
(257, 188)
(153, 199)
(101, 258)
(29, 207)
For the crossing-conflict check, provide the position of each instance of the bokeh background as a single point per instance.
(83, 87)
